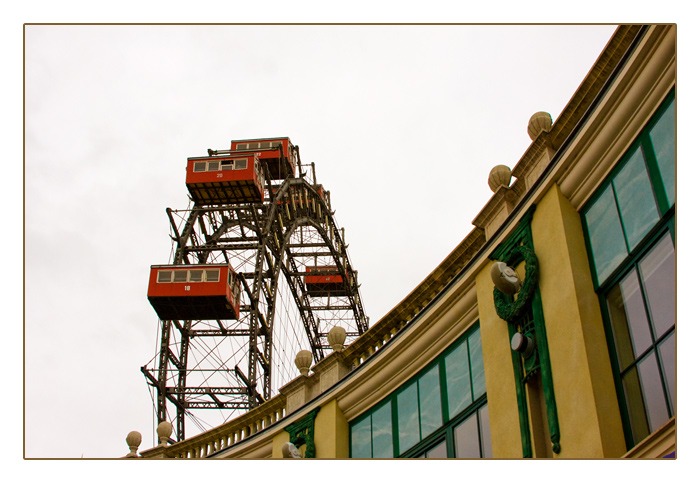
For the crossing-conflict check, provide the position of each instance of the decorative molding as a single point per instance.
(516, 248)
(612, 127)
(510, 309)
(302, 433)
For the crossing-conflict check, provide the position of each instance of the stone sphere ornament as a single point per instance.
(164, 430)
(303, 361)
(540, 121)
(336, 338)
(133, 440)
(499, 176)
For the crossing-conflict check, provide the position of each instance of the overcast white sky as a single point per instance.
(404, 124)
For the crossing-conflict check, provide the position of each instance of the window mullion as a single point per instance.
(449, 438)
(619, 215)
(664, 384)
(471, 377)
(478, 434)
(371, 436)
(667, 391)
(647, 311)
(443, 391)
(420, 422)
(395, 424)
(654, 174)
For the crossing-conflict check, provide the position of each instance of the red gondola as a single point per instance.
(275, 153)
(194, 292)
(323, 281)
(235, 178)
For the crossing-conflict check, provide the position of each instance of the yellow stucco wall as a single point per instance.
(277, 441)
(331, 434)
(498, 368)
(589, 418)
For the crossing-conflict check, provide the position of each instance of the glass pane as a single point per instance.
(467, 439)
(199, 167)
(477, 363)
(459, 393)
(407, 408)
(382, 446)
(605, 234)
(636, 313)
(486, 450)
(180, 276)
(635, 405)
(226, 165)
(653, 392)
(196, 275)
(212, 275)
(165, 276)
(430, 404)
(658, 270)
(241, 164)
(629, 320)
(663, 138)
(618, 320)
(439, 451)
(213, 166)
(360, 439)
(636, 199)
(667, 351)
(240, 147)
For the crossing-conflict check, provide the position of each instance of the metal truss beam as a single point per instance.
(292, 230)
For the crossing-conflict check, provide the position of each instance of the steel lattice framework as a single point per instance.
(235, 365)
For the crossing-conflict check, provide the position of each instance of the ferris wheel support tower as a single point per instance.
(290, 281)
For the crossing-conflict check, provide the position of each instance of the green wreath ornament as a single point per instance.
(511, 310)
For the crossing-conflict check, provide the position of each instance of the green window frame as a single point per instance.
(637, 196)
(629, 226)
(466, 437)
(440, 412)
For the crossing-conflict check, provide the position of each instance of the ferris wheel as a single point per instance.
(259, 270)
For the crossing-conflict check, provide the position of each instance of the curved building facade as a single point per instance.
(548, 332)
